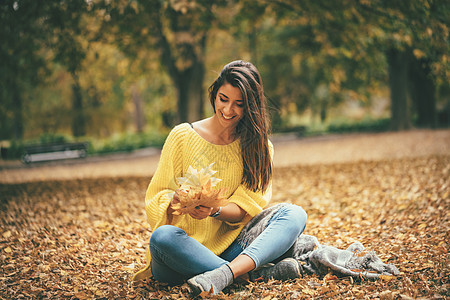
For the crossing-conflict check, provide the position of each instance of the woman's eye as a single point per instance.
(223, 100)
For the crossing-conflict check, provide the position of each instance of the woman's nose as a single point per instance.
(228, 109)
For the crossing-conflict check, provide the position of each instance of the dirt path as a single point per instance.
(289, 151)
(362, 147)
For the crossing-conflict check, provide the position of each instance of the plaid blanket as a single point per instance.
(320, 259)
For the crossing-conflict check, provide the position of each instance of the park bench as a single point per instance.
(55, 151)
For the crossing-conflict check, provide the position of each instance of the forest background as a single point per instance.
(120, 74)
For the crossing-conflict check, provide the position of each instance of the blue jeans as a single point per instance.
(177, 257)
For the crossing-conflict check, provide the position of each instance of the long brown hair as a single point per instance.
(253, 128)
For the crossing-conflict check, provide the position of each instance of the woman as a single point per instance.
(202, 246)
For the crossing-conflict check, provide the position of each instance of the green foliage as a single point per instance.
(299, 129)
(348, 126)
(14, 150)
(21, 34)
(367, 125)
(127, 142)
(47, 138)
(128, 61)
(117, 143)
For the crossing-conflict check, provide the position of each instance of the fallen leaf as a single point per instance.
(197, 190)
(130, 267)
(195, 178)
(207, 294)
(386, 277)
(329, 277)
(73, 239)
(421, 226)
(308, 291)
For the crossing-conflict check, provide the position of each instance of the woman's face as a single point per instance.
(229, 105)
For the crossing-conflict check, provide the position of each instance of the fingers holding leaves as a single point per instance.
(197, 191)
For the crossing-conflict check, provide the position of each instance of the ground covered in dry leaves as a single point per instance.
(84, 239)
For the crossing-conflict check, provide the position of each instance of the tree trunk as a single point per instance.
(253, 45)
(79, 120)
(139, 118)
(323, 111)
(183, 87)
(17, 114)
(422, 91)
(186, 65)
(190, 93)
(398, 75)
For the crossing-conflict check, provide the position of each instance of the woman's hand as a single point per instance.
(175, 200)
(201, 212)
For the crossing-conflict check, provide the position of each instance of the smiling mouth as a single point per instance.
(227, 118)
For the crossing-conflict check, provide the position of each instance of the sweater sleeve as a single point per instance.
(163, 184)
(252, 202)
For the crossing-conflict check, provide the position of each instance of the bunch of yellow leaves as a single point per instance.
(196, 189)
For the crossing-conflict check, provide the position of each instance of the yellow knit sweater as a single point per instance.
(184, 147)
